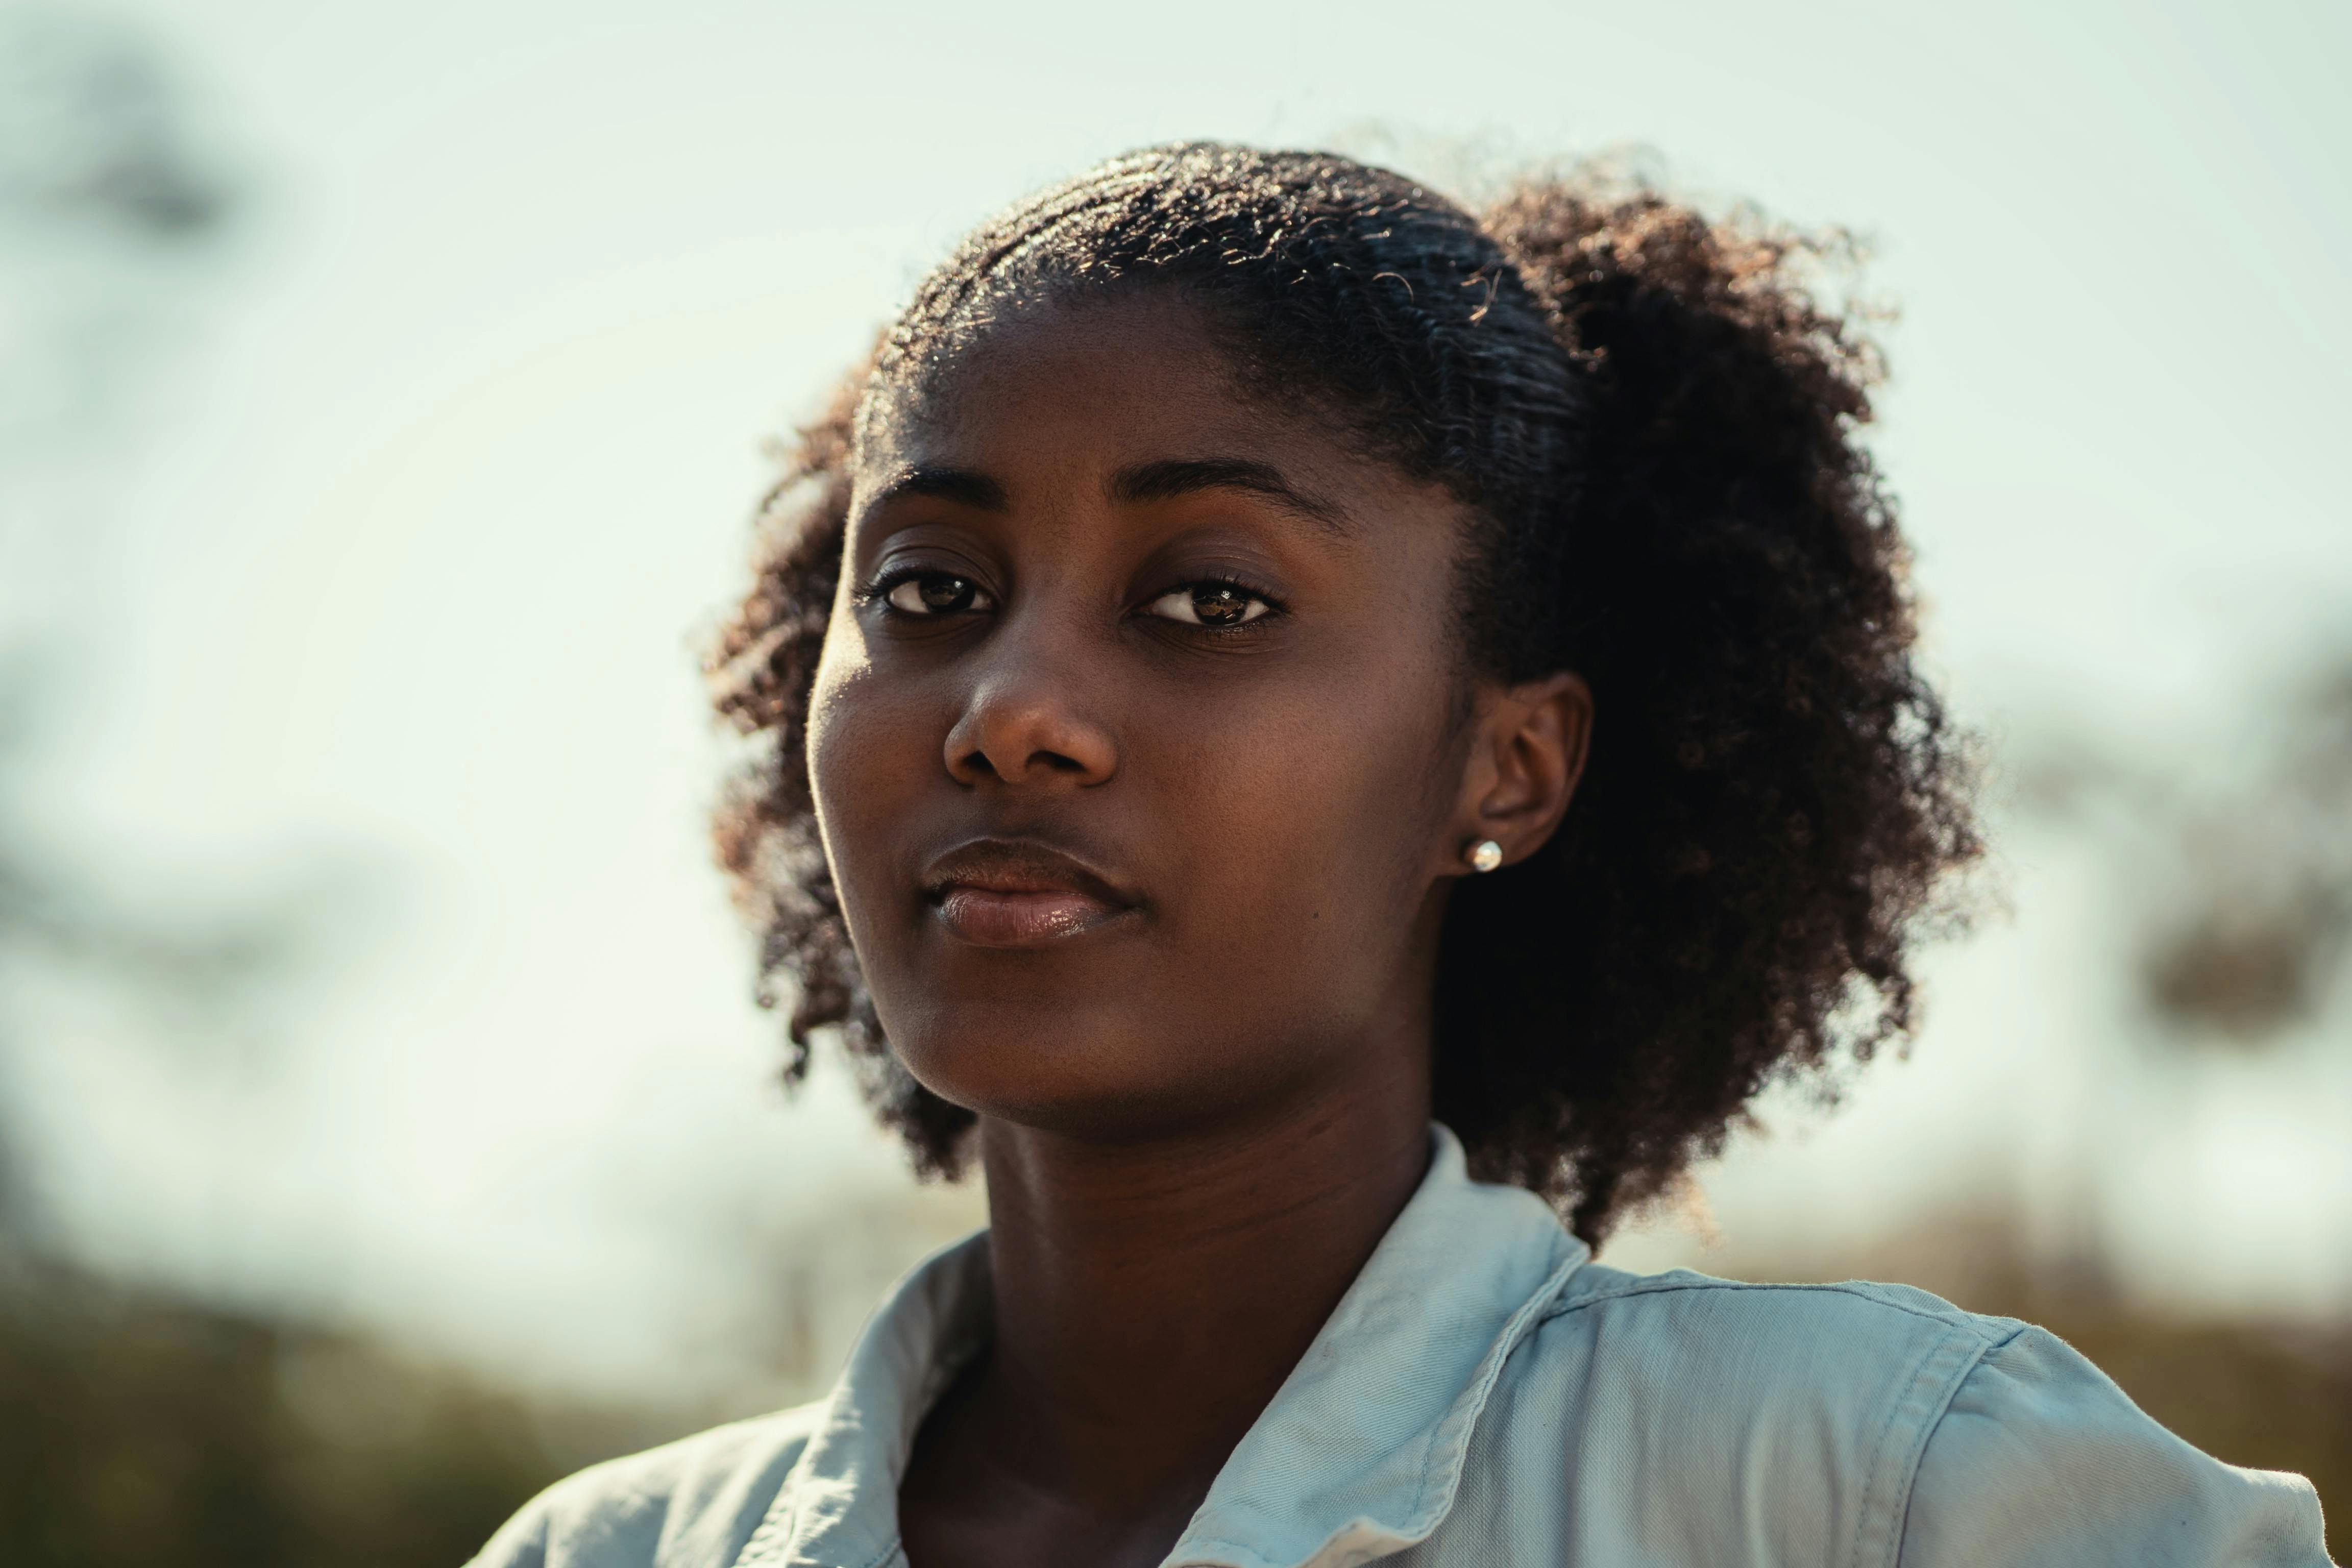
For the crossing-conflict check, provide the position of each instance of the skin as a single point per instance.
(1159, 901)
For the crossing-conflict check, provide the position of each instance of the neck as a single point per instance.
(1153, 1296)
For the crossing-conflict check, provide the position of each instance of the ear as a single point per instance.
(1527, 748)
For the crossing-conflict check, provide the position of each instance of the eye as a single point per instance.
(935, 593)
(1215, 605)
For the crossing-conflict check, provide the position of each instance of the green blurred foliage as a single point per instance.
(2230, 872)
(138, 1430)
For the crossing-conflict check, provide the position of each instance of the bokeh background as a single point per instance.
(386, 1127)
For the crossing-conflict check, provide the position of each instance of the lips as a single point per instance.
(994, 892)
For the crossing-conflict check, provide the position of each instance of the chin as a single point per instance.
(1086, 1072)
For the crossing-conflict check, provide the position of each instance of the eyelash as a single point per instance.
(1273, 606)
(879, 590)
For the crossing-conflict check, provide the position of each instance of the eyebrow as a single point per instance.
(1168, 479)
(968, 486)
(1139, 483)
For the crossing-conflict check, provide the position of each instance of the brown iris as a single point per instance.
(1220, 605)
(944, 593)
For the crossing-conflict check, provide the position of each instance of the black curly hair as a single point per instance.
(1653, 422)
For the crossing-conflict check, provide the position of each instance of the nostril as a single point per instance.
(978, 764)
(1010, 737)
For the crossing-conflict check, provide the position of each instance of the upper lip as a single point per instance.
(1019, 865)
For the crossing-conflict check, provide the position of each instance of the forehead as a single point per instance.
(1094, 386)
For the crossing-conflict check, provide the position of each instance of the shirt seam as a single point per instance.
(1953, 1318)
(1920, 1383)
(1235, 1554)
(1901, 1515)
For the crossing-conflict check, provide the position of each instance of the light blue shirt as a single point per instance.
(1486, 1396)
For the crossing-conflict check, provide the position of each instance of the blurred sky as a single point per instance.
(403, 571)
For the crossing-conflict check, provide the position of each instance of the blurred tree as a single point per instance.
(105, 212)
(2253, 942)
(2236, 883)
(140, 1432)
(136, 1426)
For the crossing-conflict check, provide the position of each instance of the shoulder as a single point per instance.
(1733, 1422)
(2081, 1475)
(689, 1504)
(1922, 1433)
(1814, 1344)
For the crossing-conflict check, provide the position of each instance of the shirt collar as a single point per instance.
(1358, 1454)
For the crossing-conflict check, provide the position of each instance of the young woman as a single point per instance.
(1311, 734)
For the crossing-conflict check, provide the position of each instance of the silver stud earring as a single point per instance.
(1486, 855)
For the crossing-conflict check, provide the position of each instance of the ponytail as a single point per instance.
(1774, 793)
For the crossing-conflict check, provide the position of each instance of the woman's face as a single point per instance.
(1135, 742)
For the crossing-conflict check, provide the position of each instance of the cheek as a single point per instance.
(1311, 824)
(864, 758)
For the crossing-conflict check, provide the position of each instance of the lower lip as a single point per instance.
(990, 919)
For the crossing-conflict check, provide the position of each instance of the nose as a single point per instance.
(1026, 720)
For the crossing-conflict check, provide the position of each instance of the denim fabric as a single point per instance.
(1485, 1396)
